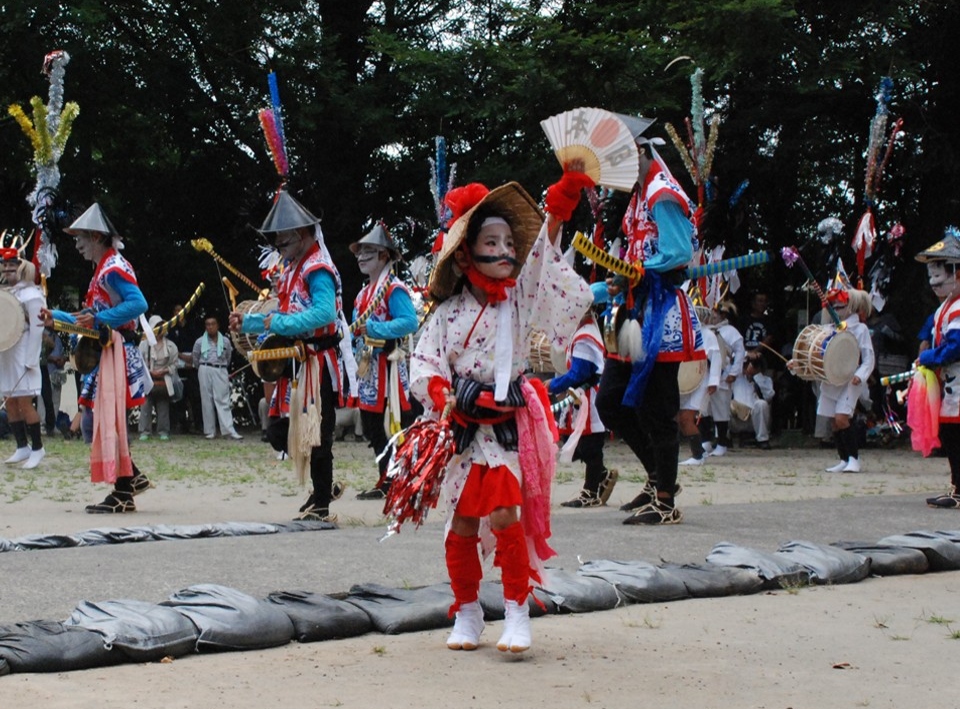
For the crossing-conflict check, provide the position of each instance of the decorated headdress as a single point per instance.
(287, 214)
(947, 249)
(509, 201)
(379, 237)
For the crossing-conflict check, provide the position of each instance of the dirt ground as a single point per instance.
(879, 643)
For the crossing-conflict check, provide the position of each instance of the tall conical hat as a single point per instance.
(380, 237)
(636, 124)
(92, 220)
(287, 214)
(947, 249)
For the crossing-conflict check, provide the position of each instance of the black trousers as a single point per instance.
(321, 457)
(374, 431)
(650, 428)
(950, 441)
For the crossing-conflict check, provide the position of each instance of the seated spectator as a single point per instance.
(752, 395)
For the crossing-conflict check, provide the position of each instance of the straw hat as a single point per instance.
(509, 201)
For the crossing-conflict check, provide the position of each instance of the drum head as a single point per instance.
(11, 320)
(690, 374)
(841, 358)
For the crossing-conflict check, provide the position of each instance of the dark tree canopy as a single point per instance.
(168, 138)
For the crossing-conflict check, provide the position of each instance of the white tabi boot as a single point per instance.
(467, 627)
(516, 628)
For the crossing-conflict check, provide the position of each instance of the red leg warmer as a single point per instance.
(514, 562)
(463, 566)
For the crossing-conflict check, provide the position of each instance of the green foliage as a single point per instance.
(168, 138)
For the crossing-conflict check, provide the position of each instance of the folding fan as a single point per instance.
(604, 141)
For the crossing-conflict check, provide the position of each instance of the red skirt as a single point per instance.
(487, 489)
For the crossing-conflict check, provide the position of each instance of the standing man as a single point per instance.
(639, 395)
(120, 380)
(303, 417)
(383, 315)
(211, 357)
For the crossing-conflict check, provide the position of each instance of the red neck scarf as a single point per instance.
(495, 288)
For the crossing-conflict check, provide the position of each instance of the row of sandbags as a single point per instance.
(208, 617)
(156, 533)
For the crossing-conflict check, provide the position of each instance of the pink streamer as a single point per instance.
(274, 141)
(923, 411)
(538, 462)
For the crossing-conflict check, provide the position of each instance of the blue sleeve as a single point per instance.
(63, 316)
(675, 248)
(926, 332)
(253, 323)
(131, 306)
(320, 314)
(947, 352)
(580, 372)
(404, 322)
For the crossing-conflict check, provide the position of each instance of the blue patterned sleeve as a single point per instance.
(131, 306)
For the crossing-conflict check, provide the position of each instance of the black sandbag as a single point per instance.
(712, 581)
(775, 571)
(51, 646)
(636, 581)
(4, 667)
(144, 632)
(318, 617)
(180, 531)
(942, 554)
(889, 560)
(301, 525)
(231, 620)
(7, 545)
(45, 541)
(112, 535)
(576, 593)
(399, 610)
(827, 564)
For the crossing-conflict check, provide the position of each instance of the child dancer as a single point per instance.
(840, 401)
(584, 365)
(498, 273)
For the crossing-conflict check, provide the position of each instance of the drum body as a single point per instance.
(270, 370)
(246, 342)
(691, 374)
(12, 320)
(823, 353)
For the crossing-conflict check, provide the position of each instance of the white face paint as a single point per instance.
(942, 280)
(369, 260)
(494, 253)
(84, 244)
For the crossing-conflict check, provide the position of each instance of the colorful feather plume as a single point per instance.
(271, 120)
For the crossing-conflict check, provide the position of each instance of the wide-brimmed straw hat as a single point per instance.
(947, 249)
(509, 201)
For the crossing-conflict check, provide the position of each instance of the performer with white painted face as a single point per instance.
(383, 315)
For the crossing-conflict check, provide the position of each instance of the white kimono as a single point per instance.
(548, 296)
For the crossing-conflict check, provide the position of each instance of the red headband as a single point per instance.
(9, 254)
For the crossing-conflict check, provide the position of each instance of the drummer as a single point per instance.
(839, 402)
(311, 305)
(20, 364)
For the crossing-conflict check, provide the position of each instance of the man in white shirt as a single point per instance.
(752, 394)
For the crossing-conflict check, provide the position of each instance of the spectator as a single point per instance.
(752, 395)
(211, 358)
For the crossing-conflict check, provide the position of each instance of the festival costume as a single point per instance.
(721, 398)
(944, 356)
(502, 458)
(303, 406)
(640, 400)
(382, 378)
(120, 381)
(699, 399)
(842, 399)
(581, 422)
(20, 374)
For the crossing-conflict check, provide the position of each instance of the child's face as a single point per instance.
(942, 280)
(494, 253)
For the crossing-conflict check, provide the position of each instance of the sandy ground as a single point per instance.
(879, 643)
